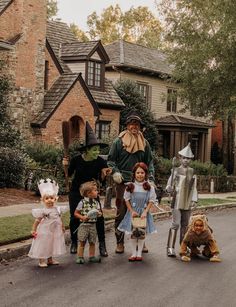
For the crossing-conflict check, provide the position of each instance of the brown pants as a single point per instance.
(121, 210)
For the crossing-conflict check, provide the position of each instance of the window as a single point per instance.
(94, 74)
(145, 91)
(102, 129)
(46, 73)
(171, 100)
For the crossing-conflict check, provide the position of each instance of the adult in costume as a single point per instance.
(127, 149)
(182, 184)
(86, 167)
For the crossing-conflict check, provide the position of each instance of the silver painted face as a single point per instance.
(185, 161)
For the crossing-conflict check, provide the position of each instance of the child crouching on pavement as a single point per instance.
(87, 211)
(199, 233)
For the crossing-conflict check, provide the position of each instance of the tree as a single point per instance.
(129, 93)
(137, 25)
(201, 43)
(79, 34)
(51, 8)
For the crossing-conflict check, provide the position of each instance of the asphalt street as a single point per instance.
(158, 281)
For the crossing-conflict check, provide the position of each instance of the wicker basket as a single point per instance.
(137, 222)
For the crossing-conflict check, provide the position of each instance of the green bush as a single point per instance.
(13, 167)
(44, 154)
(163, 167)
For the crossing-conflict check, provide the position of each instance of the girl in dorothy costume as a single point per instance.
(139, 196)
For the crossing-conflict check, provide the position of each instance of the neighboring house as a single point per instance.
(149, 69)
(54, 77)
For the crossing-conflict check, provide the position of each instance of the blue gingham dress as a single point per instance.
(139, 200)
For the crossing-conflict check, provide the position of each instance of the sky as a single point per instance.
(76, 11)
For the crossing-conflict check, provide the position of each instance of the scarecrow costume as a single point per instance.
(126, 150)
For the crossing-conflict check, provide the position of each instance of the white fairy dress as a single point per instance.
(50, 239)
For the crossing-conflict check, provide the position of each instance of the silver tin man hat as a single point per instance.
(186, 152)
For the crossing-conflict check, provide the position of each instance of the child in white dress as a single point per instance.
(139, 197)
(48, 229)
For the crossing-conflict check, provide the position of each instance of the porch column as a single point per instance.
(202, 146)
(177, 142)
(172, 144)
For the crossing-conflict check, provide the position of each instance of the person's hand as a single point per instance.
(117, 177)
(84, 218)
(193, 204)
(134, 213)
(185, 258)
(65, 161)
(169, 189)
(106, 171)
(99, 213)
(144, 214)
(34, 234)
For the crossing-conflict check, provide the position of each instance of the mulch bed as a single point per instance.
(9, 196)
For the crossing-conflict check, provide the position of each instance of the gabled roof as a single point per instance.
(82, 50)
(4, 4)
(132, 56)
(176, 120)
(57, 34)
(109, 98)
(5, 45)
(56, 95)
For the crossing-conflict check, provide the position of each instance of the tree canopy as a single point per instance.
(137, 25)
(201, 42)
(51, 8)
(130, 94)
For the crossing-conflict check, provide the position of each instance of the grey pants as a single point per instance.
(180, 218)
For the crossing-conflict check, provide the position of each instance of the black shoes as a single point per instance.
(102, 249)
(73, 248)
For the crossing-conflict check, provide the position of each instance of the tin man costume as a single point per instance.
(182, 185)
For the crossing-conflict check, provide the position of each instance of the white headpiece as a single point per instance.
(186, 152)
(48, 187)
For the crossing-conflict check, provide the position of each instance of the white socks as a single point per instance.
(134, 244)
(140, 248)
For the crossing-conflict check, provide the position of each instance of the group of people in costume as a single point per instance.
(130, 163)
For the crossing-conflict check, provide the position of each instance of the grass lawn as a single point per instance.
(17, 228)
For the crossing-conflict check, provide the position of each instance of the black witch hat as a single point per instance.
(91, 139)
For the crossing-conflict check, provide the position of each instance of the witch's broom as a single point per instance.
(66, 143)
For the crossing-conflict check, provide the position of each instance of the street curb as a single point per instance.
(18, 249)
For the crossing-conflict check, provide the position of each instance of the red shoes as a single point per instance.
(132, 259)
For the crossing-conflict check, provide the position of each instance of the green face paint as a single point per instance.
(92, 153)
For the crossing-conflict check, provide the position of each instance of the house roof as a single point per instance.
(123, 54)
(4, 4)
(57, 34)
(5, 45)
(176, 120)
(82, 50)
(65, 46)
(109, 98)
(57, 93)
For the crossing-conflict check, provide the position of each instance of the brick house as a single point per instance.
(149, 69)
(55, 78)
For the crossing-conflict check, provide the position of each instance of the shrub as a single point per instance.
(13, 167)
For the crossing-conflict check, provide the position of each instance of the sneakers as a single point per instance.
(94, 259)
(43, 264)
(80, 260)
(53, 262)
